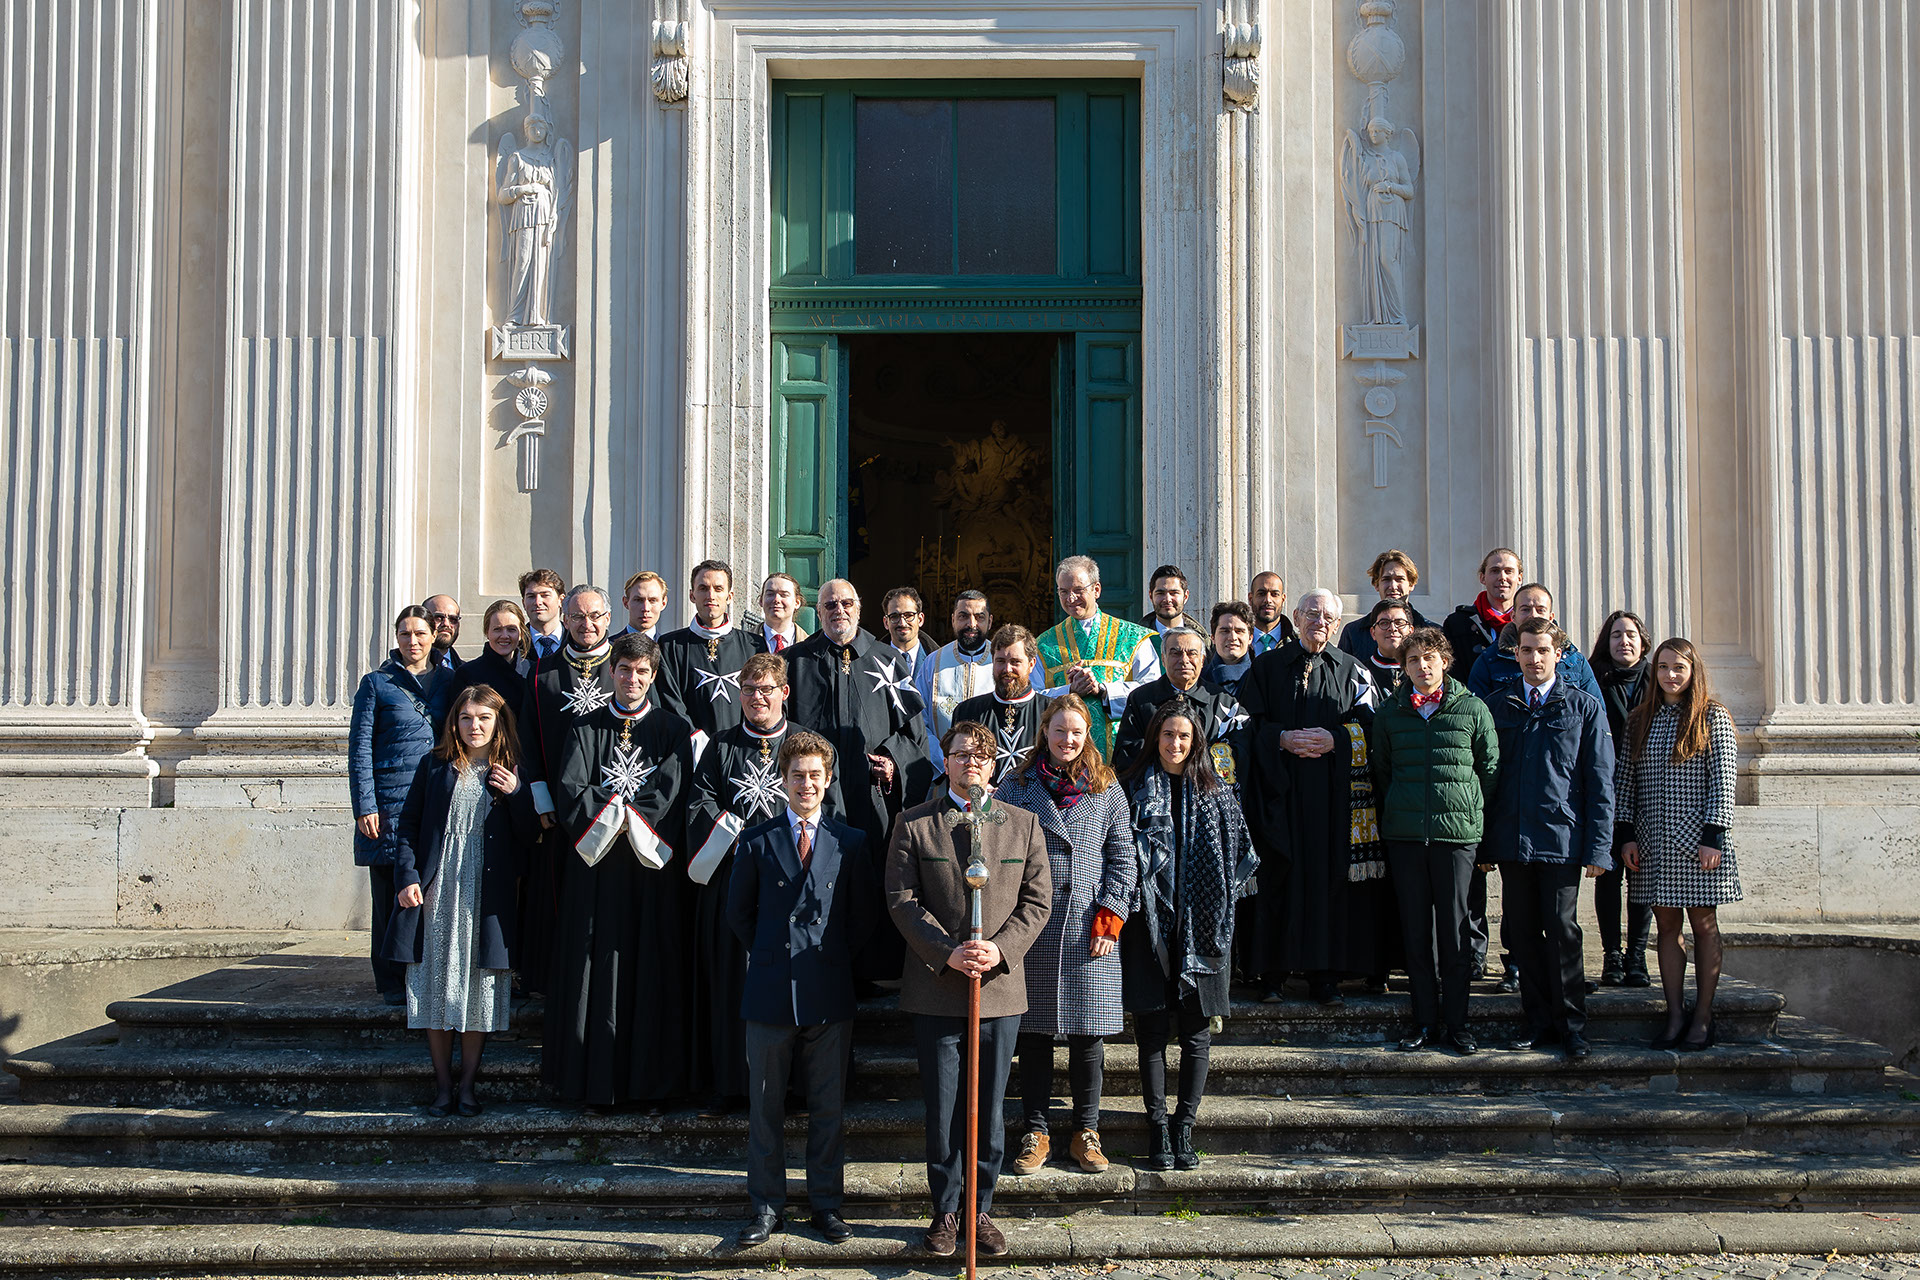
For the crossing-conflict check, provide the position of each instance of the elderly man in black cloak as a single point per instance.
(1324, 908)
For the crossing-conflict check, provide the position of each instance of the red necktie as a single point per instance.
(779, 643)
(806, 844)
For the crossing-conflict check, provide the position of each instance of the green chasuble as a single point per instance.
(1109, 656)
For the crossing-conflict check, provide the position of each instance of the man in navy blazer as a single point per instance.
(802, 899)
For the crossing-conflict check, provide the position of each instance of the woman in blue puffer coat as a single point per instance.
(397, 711)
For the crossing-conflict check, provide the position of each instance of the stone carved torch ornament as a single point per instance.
(533, 190)
(1379, 170)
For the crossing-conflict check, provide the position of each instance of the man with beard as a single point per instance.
(616, 1029)
(444, 613)
(1323, 909)
(1267, 597)
(573, 681)
(959, 671)
(1389, 622)
(700, 663)
(1098, 656)
(855, 692)
(1167, 588)
(902, 615)
(1012, 709)
(1393, 575)
(736, 785)
(1183, 652)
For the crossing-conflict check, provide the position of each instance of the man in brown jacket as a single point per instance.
(928, 897)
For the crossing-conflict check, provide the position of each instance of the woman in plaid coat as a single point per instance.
(1674, 798)
(1073, 967)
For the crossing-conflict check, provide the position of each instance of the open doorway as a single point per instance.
(951, 454)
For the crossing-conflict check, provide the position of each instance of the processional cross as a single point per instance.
(980, 812)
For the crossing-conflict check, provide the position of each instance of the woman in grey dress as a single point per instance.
(462, 846)
(1673, 800)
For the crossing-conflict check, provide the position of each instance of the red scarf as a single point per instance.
(1494, 618)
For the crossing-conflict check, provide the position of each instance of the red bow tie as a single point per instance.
(1423, 699)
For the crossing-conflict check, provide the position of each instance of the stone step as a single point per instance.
(98, 1067)
(71, 1193)
(1885, 1121)
(1090, 1238)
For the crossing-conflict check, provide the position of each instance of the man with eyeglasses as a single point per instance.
(1393, 575)
(858, 694)
(736, 785)
(1322, 908)
(1388, 623)
(567, 685)
(903, 613)
(444, 613)
(1096, 655)
(700, 663)
(1011, 709)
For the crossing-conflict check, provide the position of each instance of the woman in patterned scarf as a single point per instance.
(1196, 860)
(1673, 805)
(462, 842)
(1073, 967)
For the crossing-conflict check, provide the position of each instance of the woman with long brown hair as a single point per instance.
(1073, 967)
(1673, 790)
(462, 844)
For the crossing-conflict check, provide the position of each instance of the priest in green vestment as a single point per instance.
(1096, 655)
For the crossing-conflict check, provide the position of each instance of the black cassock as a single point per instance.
(860, 697)
(1225, 728)
(1308, 916)
(700, 676)
(735, 786)
(565, 684)
(617, 1002)
(1386, 678)
(1015, 725)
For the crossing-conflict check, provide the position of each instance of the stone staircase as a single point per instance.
(266, 1115)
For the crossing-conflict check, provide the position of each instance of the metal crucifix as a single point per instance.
(981, 812)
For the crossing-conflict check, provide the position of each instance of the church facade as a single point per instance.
(315, 307)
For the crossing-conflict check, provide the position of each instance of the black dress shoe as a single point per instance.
(1577, 1046)
(439, 1110)
(832, 1227)
(1510, 980)
(761, 1229)
(1326, 994)
(1463, 1043)
(471, 1109)
(1418, 1038)
(1695, 1046)
(1543, 1040)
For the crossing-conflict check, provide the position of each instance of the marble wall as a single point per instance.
(1654, 327)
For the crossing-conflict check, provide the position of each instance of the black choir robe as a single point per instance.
(1225, 725)
(1386, 677)
(617, 1003)
(860, 697)
(556, 688)
(736, 785)
(699, 677)
(1015, 725)
(1308, 916)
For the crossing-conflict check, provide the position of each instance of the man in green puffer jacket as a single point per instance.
(1435, 758)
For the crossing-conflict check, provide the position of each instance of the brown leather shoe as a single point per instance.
(1086, 1151)
(1034, 1148)
(988, 1237)
(943, 1236)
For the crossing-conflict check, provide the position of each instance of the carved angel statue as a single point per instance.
(534, 187)
(1378, 181)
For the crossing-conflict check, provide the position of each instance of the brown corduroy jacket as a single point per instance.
(927, 897)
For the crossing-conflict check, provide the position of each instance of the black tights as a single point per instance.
(1673, 967)
(1086, 1056)
(1151, 1031)
(440, 1049)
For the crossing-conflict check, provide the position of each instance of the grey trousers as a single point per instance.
(815, 1058)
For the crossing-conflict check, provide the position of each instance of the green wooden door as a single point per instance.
(809, 441)
(1105, 490)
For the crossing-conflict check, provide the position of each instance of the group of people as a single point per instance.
(701, 847)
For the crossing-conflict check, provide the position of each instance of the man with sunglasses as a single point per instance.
(444, 613)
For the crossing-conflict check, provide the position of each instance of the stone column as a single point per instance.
(1836, 383)
(316, 538)
(77, 175)
(1588, 354)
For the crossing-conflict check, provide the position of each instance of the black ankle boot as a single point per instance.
(1184, 1156)
(1159, 1146)
(1613, 970)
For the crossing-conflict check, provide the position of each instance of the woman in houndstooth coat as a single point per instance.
(1673, 794)
(1073, 967)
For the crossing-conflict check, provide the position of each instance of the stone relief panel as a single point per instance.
(533, 189)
